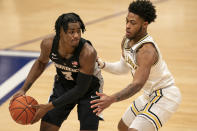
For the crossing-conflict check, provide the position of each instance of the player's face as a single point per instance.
(73, 34)
(134, 25)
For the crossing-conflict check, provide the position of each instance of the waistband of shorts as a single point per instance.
(170, 85)
(162, 88)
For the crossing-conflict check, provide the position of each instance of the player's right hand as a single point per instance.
(102, 103)
(101, 63)
(41, 110)
(17, 94)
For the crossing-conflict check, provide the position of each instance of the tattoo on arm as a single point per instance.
(129, 91)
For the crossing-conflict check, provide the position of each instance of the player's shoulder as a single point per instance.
(88, 52)
(88, 49)
(148, 50)
(147, 46)
(47, 42)
(87, 57)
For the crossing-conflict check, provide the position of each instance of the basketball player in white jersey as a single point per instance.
(141, 55)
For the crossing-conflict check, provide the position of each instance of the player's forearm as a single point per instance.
(36, 70)
(117, 68)
(82, 86)
(127, 92)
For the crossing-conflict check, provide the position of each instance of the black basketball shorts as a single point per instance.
(88, 119)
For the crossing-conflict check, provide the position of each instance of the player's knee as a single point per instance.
(88, 130)
(132, 129)
(48, 127)
(122, 126)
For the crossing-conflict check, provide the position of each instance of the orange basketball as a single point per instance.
(20, 110)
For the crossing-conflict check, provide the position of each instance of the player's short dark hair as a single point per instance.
(143, 8)
(64, 19)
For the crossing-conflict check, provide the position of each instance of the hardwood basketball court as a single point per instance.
(25, 23)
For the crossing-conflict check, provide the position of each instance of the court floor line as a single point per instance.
(88, 23)
(14, 80)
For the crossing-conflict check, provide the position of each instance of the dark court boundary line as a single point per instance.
(88, 23)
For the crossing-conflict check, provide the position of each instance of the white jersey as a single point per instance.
(160, 76)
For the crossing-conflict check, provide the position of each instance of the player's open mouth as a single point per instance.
(128, 33)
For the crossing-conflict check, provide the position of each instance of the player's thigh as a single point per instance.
(133, 110)
(163, 103)
(127, 119)
(45, 126)
(88, 119)
(141, 124)
(57, 115)
(122, 126)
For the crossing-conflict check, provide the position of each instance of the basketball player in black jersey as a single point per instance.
(77, 77)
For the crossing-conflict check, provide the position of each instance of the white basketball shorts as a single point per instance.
(157, 109)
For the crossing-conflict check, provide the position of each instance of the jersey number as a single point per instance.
(68, 75)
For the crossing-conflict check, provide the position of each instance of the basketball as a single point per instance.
(20, 110)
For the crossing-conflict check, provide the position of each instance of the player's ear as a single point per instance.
(145, 24)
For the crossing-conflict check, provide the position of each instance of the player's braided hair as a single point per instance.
(63, 21)
(144, 8)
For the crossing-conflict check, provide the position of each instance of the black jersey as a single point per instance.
(67, 69)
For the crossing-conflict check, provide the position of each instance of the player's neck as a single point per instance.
(139, 37)
(65, 50)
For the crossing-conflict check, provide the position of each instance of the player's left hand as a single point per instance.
(102, 103)
(41, 110)
(101, 63)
